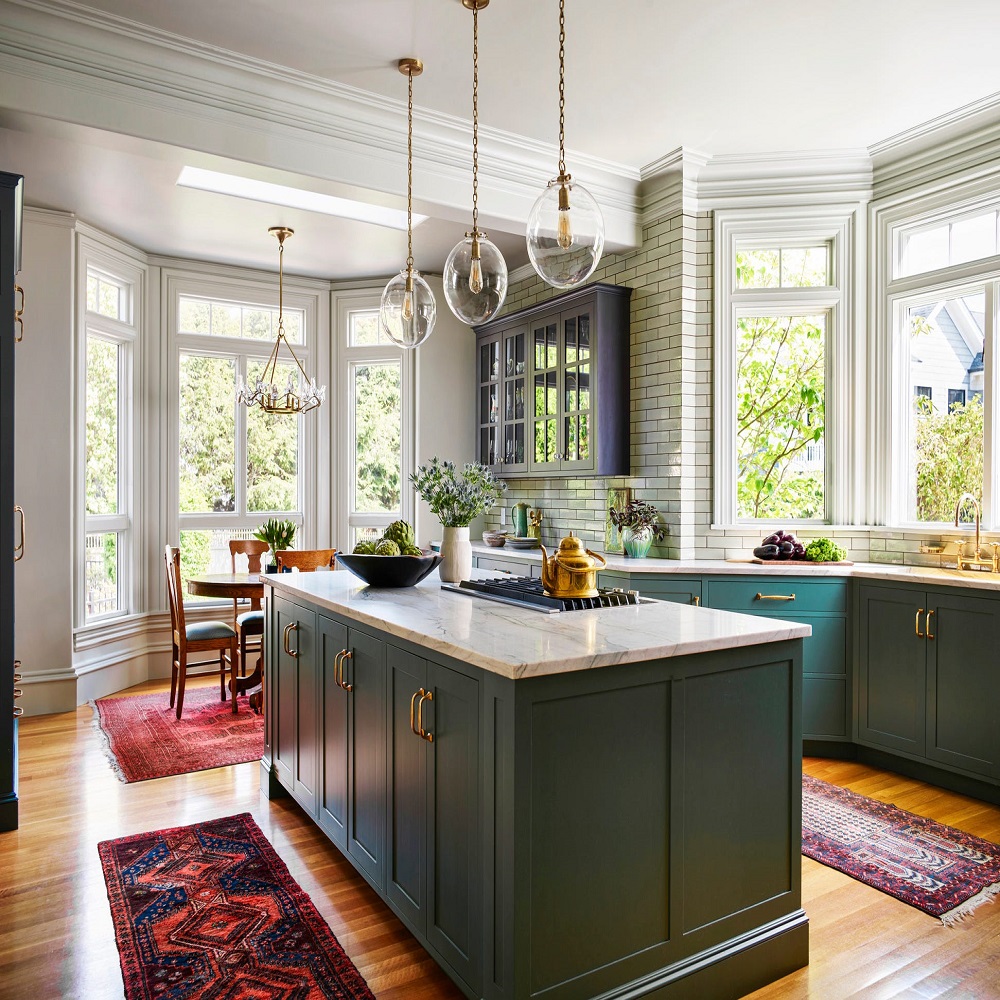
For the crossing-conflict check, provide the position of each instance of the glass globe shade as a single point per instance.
(471, 303)
(565, 245)
(407, 317)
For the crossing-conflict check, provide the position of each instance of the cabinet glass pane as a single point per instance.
(489, 361)
(488, 445)
(545, 441)
(546, 342)
(514, 355)
(583, 338)
(514, 444)
(572, 441)
(583, 387)
(570, 382)
(488, 404)
(584, 436)
(569, 340)
(514, 400)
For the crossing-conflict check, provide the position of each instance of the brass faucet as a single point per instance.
(976, 560)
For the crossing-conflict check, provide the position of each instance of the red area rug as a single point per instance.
(144, 739)
(937, 869)
(210, 911)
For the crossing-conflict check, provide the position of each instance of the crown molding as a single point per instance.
(50, 217)
(67, 62)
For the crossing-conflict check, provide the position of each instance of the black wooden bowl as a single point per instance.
(389, 571)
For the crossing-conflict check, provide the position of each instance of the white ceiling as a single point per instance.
(644, 77)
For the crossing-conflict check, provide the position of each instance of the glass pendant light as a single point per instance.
(475, 273)
(565, 227)
(408, 307)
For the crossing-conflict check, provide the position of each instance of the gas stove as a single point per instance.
(527, 592)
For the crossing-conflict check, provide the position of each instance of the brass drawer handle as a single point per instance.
(18, 711)
(696, 601)
(927, 624)
(773, 597)
(413, 701)
(18, 693)
(19, 548)
(347, 655)
(289, 628)
(916, 623)
(19, 316)
(421, 732)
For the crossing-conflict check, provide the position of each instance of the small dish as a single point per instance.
(497, 539)
(522, 542)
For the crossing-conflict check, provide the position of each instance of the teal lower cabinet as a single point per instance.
(662, 587)
(821, 602)
(435, 842)
(928, 683)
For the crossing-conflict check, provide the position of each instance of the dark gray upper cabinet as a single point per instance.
(553, 386)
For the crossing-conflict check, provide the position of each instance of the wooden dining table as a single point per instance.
(235, 586)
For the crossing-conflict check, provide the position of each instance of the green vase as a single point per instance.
(637, 543)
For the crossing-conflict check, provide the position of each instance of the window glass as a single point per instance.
(207, 437)
(365, 330)
(105, 297)
(217, 318)
(945, 346)
(377, 424)
(781, 394)
(783, 267)
(272, 449)
(102, 434)
(957, 241)
(102, 573)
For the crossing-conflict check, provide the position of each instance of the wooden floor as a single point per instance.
(57, 941)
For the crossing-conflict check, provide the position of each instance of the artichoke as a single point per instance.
(364, 549)
(411, 550)
(386, 547)
(399, 532)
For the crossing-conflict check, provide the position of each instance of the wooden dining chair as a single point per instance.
(195, 638)
(306, 560)
(251, 622)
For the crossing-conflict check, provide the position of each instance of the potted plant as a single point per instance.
(278, 534)
(457, 497)
(638, 522)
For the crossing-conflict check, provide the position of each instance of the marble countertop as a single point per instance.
(706, 567)
(515, 642)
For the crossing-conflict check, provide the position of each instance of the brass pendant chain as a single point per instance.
(409, 174)
(475, 121)
(281, 283)
(562, 87)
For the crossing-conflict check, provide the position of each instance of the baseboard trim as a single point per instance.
(960, 783)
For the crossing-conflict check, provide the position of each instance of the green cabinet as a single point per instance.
(351, 806)
(821, 603)
(294, 703)
(435, 843)
(660, 587)
(928, 685)
(553, 386)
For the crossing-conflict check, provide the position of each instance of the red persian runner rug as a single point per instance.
(210, 911)
(144, 739)
(935, 868)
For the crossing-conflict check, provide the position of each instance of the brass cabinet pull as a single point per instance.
(19, 548)
(18, 693)
(916, 623)
(927, 624)
(413, 700)
(19, 316)
(289, 628)
(336, 667)
(421, 732)
(347, 655)
(773, 597)
(18, 711)
(696, 601)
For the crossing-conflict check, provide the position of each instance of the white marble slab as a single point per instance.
(515, 642)
(710, 567)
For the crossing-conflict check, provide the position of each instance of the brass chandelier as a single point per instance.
(298, 395)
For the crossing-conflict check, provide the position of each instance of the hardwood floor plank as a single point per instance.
(57, 939)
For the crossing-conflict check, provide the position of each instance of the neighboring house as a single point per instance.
(947, 361)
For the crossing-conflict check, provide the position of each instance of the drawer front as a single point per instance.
(777, 596)
(825, 651)
(502, 565)
(681, 590)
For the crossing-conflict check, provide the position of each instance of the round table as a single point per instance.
(233, 586)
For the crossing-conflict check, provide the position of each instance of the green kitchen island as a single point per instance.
(601, 803)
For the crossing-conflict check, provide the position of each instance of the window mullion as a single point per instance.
(991, 468)
(241, 450)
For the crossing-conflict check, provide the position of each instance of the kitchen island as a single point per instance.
(602, 803)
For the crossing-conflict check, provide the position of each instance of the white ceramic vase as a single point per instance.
(456, 555)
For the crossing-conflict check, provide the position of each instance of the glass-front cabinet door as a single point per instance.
(577, 400)
(515, 383)
(545, 395)
(488, 401)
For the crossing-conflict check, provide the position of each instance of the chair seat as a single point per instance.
(250, 618)
(209, 630)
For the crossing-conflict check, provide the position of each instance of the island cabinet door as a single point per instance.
(435, 878)
(963, 682)
(296, 698)
(332, 638)
(892, 675)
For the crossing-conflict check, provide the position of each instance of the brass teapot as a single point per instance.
(572, 571)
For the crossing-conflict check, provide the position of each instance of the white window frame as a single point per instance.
(892, 218)
(126, 333)
(247, 288)
(346, 303)
(742, 229)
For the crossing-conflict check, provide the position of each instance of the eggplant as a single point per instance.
(769, 551)
(772, 539)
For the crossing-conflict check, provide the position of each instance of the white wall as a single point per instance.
(44, 463)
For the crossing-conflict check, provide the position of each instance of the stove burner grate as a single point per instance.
(524, 591)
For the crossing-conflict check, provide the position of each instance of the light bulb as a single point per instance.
(407, 307)
(564, 229)
(476, 276)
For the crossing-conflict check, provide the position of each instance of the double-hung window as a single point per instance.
(111, 307)
(938, 349)
(376, 403)
(236, 466)
(782, 367)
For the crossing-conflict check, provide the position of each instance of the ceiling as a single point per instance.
(643, 78)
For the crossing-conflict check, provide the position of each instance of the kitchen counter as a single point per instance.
(931, 575)
(514, 642)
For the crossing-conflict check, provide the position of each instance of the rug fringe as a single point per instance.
(105, 743)
(964, 910)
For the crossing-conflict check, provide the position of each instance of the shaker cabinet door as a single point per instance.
(332, 638)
